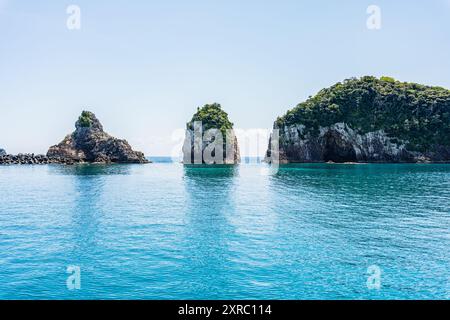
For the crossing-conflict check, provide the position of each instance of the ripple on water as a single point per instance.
(164, 231)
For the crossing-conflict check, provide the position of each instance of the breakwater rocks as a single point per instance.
(2, 152)
(9, 159)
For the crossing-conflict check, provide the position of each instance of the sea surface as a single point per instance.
(165, 231)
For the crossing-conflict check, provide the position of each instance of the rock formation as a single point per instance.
(339, 143)
(368, 120)
(206, 125)
(89, 143)
(2, 152)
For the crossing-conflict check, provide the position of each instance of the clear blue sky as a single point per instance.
(144, 66)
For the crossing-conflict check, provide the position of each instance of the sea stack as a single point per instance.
(367, 120)
(208, 126)
(89, 143)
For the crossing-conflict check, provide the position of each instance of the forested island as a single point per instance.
(368, 120)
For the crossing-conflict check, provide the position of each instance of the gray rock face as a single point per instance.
(89, 143)
(339, 143)
(2, 152)
(210, 138)
(231, 152)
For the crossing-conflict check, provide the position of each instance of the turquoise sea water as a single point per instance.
(164, 231)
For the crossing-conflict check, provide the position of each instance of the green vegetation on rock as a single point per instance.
(411, 112)
(212, 117)
(85, 119)
(387, 79)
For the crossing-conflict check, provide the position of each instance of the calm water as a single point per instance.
(163, 231)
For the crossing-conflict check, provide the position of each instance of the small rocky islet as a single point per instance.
(211, 116)
(89, 143)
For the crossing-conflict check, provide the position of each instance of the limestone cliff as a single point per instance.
(368, 120)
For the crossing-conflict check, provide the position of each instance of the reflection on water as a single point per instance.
(370, 214)
(212, 171)
(354, 178)
(90, 169)
(88, 182)
(167, 231)
(210, 200)
(209, 187)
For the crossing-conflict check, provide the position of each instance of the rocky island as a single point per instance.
(87, 144)
(197, 141)
(368, 120)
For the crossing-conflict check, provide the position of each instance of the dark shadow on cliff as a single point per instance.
(337, 149)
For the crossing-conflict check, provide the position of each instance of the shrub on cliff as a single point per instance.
(387, 79)
(212, 117)
(411, 112)
(85, 119)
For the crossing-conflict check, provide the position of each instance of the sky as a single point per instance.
(143, 67)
